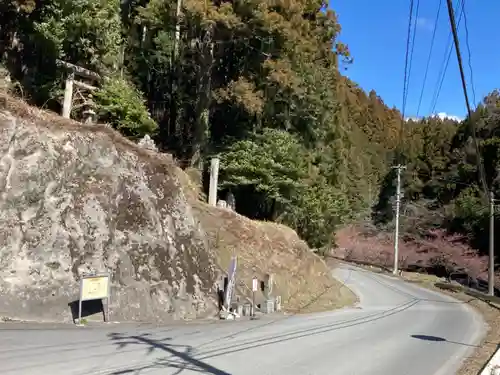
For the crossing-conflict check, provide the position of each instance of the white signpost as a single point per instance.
(255, 285)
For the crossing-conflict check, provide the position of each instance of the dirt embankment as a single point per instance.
(302, 278)
(77, 198)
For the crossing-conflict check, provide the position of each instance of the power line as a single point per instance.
(405, 79)
(466, 96)
(429, 57)
(469, 53)
(439, 83)
(412, 48)
(445, 62)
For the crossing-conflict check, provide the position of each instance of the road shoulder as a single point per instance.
(474, 364)
(486, 348)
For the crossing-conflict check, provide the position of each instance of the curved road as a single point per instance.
(396, 329)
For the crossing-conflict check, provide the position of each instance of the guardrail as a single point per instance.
(469, 291)
(360, 262)
(469, 283)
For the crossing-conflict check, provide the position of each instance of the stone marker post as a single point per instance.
(214, 175)
(268, 286)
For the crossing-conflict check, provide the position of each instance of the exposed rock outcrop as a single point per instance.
(76, 198)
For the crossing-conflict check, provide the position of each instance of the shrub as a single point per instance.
(121, 105)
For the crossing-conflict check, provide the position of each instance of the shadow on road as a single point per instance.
(280, 318)
(440, 339)
(180, 355)
(185, 357)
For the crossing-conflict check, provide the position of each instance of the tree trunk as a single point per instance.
(202, 126)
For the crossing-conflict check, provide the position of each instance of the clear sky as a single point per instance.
(376, 32)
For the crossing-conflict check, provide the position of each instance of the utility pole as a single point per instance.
(399, 167)
(491, 265)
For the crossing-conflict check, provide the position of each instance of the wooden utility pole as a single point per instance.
(399, 167)
(491, 262)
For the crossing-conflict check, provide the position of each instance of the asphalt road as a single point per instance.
(397, 329)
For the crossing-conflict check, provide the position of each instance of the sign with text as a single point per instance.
(94, 287)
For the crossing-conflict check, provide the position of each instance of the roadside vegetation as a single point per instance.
(260, 85)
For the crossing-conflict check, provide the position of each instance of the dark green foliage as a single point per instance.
(258, 84)
(122, 106)
(442, 179)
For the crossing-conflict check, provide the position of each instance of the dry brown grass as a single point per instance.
(302, 279)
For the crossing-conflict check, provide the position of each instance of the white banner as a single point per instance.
(231, 278)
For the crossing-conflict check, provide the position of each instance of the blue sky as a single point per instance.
(376, 31)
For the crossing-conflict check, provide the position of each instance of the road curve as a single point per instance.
(396, 329)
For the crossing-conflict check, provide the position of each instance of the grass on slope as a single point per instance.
(301, 277)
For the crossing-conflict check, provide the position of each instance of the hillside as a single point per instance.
(445, 213)
(260, 85)
(78, 198)
(257, 85)
(302, 279)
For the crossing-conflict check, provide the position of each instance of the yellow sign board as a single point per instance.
(96, 287)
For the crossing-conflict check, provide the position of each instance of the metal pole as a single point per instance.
(396, 234)
(80, 311)
(253, 304)
(80, 302)
(491, 265)
(106, 318)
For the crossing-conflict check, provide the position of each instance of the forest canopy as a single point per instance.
(259, 84)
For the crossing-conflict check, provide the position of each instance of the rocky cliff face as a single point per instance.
(75, 199)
